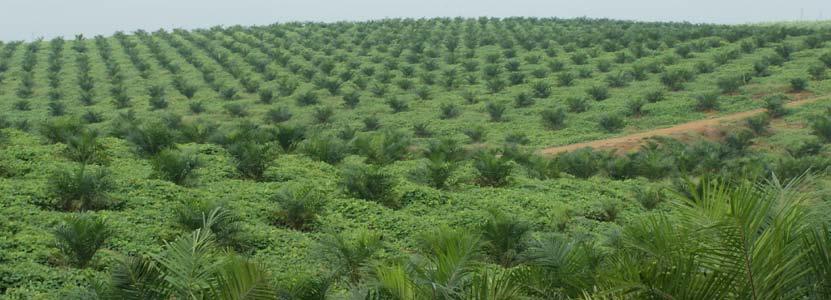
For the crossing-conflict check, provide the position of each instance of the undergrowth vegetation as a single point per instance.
(399, 159)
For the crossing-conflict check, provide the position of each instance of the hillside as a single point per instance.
(400, 159)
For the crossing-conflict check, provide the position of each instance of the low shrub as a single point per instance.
(634, 107)
(449, 111)
(598, 92)
(85, 148)
(324, 148)
(775, 106)
(649, 196)
(307, 98)
(370, 183)
(397, 105)
(81, 189)
(581, 163)
(798, 84)
(496, 111)
(707, 101)
(577, 104)
(250, 158)
(151, 138)
(493, 170)
(278, 115)
(758, 124)
(288, 137)
(384, 147)
(217, 217)
(541, 89)
(730, 84)
(59, 130)
(175, 166)
(516, 138)
(299, 207)
(821, 127)
(553, 118)
(236, 110)
(523, 100)
(80, 237)
(351, 99)
(611, 122)
(475, 134)
(323, 114)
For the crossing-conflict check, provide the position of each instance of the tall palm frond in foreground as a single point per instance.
(726, 241)
(191, 267)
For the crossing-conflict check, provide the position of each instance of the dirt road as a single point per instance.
(706, 126)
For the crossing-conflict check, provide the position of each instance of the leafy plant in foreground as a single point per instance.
(80, 237)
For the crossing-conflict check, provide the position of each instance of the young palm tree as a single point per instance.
(504, 238)
(727, 241)
(80, 237)
(352, 253)
(191, 267)
(444, 270)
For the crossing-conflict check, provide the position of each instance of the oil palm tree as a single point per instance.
(190, 267)
(726, 241)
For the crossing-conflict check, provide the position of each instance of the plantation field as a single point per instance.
(398, 159)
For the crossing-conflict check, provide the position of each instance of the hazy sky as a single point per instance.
(26, 19)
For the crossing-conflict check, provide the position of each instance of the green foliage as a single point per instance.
(496, 111)
(216, 217)
(598, 92)
(577, 104)
(308, 98)
(81, 189)
(397, 105)
(175, 166)
(775, 106)
(611, 122)
(821, 127)
(299, 207)
(798, 84)
(493, 170)
(370, 183)
(151, 138)
(649, 196)
(278, 115)
(523, 100)
(731, 84)
(635, 108)
(323, 114)
(80, 237)
(352, 254)
(85, 148)
(553, 118)
(541, 89)
(758, 124)
(384, 147)
(251, 158)
(504, 238)
(324, 148)
(581, 163)
(675, 78)
(288, 137)
(192, 266)
(449, 111)
(59, 130)
(707, 101)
